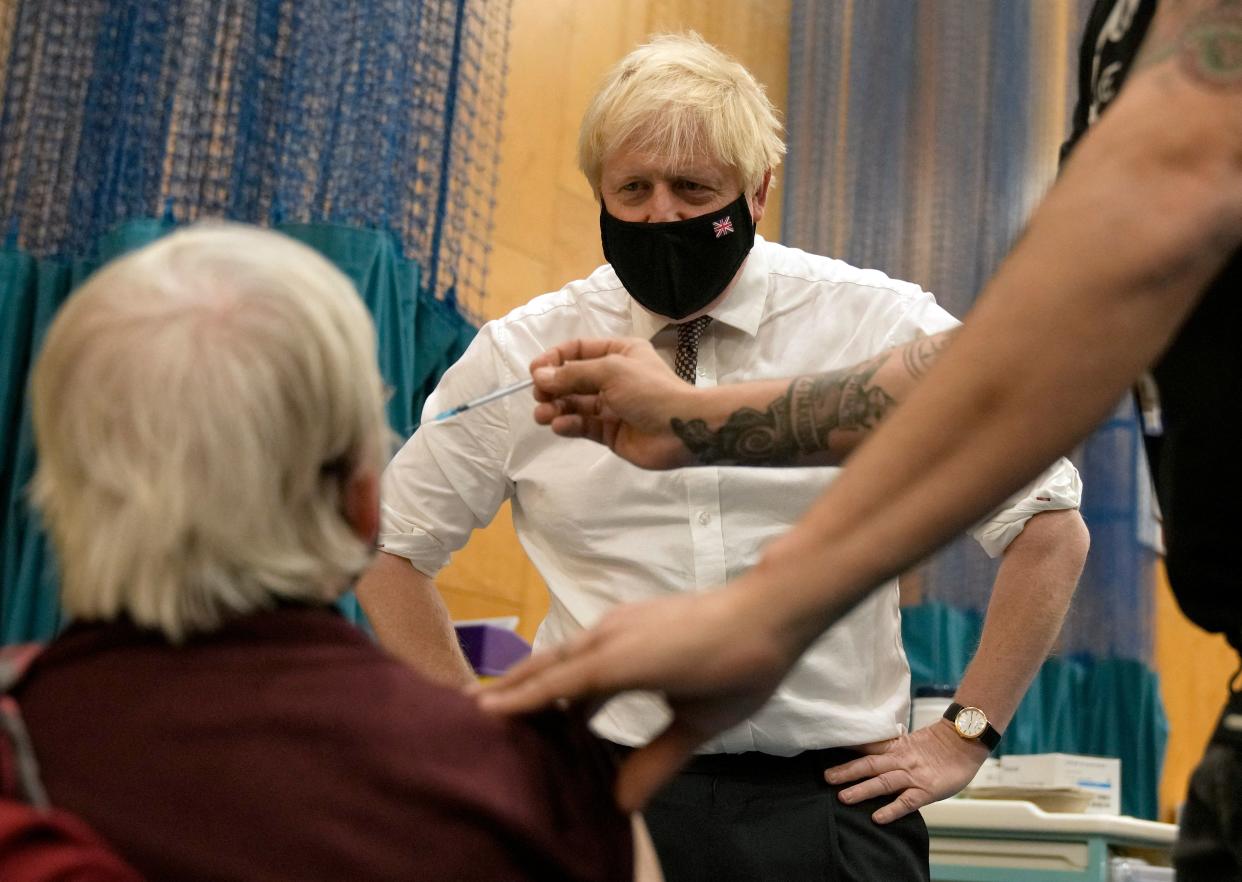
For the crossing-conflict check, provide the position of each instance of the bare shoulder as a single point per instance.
(1175, 132)
(1199, 41)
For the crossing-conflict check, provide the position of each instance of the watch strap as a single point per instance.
(989, 737)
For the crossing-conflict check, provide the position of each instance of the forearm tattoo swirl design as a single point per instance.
(797, 423)
(802, 420)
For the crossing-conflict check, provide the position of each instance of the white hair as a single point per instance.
(199, 406)
(679, 97)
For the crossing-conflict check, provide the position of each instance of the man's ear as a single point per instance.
(758, 200)
(360, 503)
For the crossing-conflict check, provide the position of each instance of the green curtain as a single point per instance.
(419, 337)
(1092, 706)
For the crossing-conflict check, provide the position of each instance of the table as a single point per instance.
(985, 840)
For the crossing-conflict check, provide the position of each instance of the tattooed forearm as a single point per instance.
(919, 355)
(817, 414)
(748, 437)
(797, 423)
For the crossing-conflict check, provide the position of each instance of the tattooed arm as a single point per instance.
(619, 393)
(817, 418)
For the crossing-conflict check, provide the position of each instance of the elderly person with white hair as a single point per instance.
(679, 146)
(210, 428)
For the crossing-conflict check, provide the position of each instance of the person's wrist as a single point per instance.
(708, 404)
(945, 730)
(970, 724)
(685, 403)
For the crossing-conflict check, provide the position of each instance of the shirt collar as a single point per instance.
(742, 306)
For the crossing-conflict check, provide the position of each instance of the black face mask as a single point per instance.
(675, 269)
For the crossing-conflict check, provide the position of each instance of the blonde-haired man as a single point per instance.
(209, 421)
(679, 146)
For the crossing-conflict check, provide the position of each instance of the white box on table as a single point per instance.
(1100, 775)
(988, 774)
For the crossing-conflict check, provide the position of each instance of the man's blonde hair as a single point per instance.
(199, 407)
(681, 98)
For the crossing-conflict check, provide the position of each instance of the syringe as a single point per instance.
(481, 400)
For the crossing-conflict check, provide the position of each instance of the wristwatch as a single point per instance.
(972, 724)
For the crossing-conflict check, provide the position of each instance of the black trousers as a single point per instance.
(1209, 838)
(752, 817)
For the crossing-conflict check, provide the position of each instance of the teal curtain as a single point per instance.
(1100, 707)
(419, 336)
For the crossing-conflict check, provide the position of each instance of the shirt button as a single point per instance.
(702, 372)
(705, 518)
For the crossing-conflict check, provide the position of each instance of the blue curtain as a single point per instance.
(921, 137)
(368, 130)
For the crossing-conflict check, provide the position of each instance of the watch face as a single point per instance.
(970, 722)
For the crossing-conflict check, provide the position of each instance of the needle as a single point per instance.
(481, 400)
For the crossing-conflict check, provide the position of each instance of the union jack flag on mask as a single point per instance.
(723, 227)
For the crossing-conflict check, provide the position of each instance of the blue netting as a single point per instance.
(374, 113)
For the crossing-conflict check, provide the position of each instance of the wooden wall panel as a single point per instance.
(1194, 669)
(547, 221)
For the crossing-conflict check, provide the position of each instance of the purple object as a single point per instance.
(490, 650)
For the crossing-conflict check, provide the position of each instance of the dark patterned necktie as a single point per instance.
(687, 358)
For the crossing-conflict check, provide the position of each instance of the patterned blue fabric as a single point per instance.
(374, 113)
(921, 137)
(368, 129)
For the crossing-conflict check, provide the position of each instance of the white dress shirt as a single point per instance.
(603, 532)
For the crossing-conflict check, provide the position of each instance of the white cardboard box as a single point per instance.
(1100, 775)
(988, 774)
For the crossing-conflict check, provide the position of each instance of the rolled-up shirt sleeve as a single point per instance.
(1059, 487)
(449, 478)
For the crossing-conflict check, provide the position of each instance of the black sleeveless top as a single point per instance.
(1194, 454)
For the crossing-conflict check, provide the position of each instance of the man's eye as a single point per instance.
(632, 186)
(692, 186)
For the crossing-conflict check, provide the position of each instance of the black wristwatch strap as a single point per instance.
(989, 737)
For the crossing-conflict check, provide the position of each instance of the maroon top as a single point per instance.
(288, 746)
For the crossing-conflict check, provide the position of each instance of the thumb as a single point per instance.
(649, 768)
